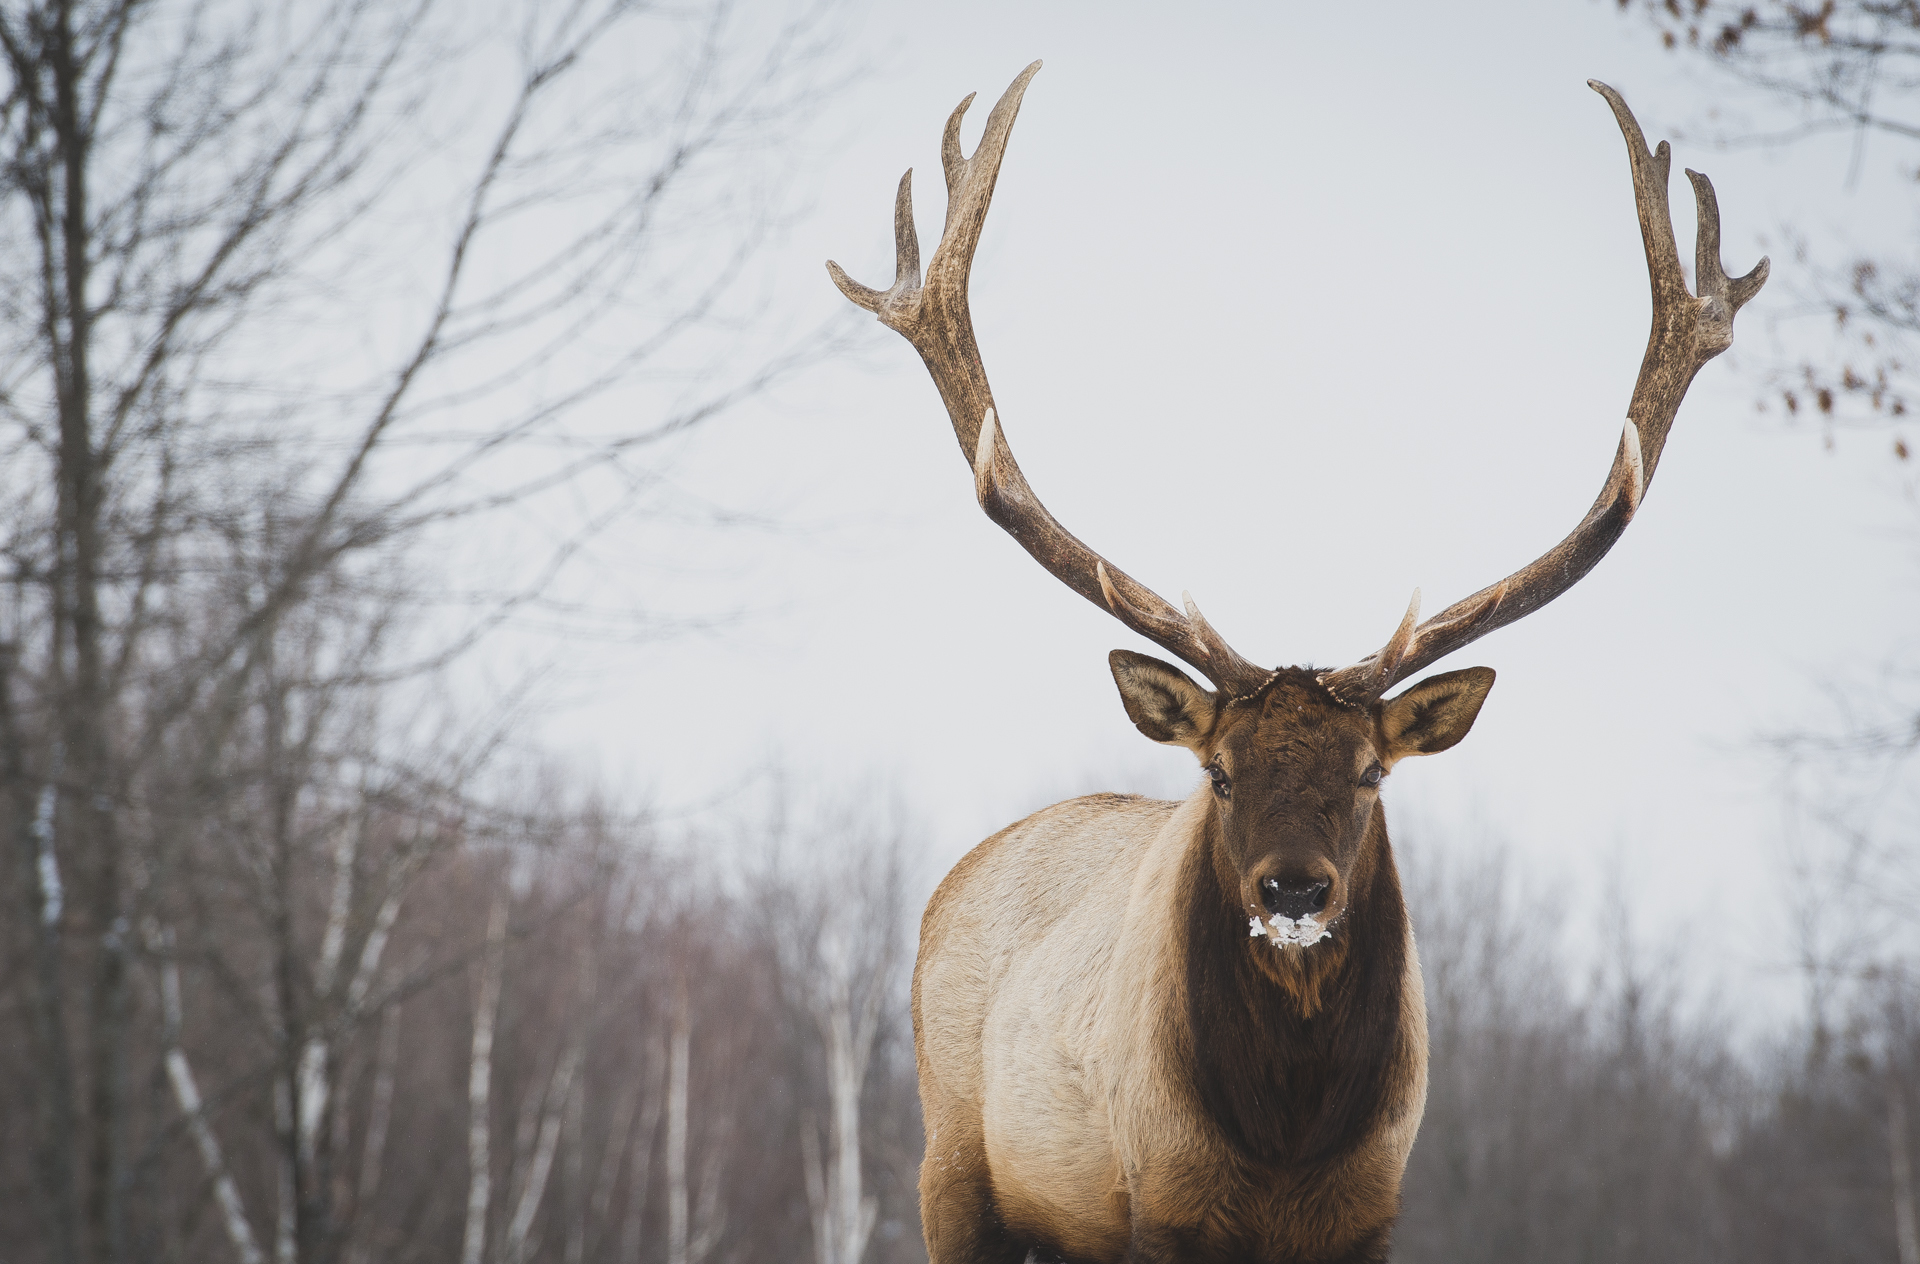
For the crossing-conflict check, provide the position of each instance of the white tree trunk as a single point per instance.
(574, 1130)
(233, 1212)
(480, 1084)
(1900, 1158)
(316, 1056)
(283, 1244)
(52, 893)
(653, 1101)
(534, 1188)
(692, 1231)
(373, 1152)
(399, 873)
(843, 1214)
(677, 1237)
(709, 1218)
(848, 1050)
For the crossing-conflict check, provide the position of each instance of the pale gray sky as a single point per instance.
(1296, 307)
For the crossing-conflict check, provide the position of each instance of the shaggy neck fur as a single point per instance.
(1293, 1050)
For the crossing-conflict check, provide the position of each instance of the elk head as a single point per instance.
(1295, 756)
(1295, 776)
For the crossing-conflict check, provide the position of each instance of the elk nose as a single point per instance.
(1293, 899)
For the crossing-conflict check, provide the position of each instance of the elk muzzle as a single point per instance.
(1294, 899)
(1294, 904)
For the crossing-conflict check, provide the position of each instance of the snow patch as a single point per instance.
(1305, 931)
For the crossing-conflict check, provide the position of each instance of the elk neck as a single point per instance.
(1296, 1053)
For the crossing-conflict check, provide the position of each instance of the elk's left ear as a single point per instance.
(1434, 714)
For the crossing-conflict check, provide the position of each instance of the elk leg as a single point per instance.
(956, 1201)
(1161, 1244)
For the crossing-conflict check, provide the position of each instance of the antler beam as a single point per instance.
(936, 319)
(1687, 332)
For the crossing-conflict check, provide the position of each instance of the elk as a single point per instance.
(1195, 1031)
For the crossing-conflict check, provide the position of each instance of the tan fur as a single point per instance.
(1047, 998)
(1112, 1068)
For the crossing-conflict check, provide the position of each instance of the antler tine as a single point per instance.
(1372, 676)
(1651, 168)
(935, 318)
(1711, 274)
(952, 161)
(906, 257)
(970, 181)
(1215, 645)
(1687, 332)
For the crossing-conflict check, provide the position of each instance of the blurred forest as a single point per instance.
(296, 964)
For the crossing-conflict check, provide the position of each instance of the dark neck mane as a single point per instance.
(1295, 1065)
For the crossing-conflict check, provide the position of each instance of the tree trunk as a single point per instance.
(52, 1058)
(186, 1091)
(677, 1229)
(1900, 1159)
(480, 1083)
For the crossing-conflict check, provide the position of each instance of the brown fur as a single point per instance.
(1112, 1068)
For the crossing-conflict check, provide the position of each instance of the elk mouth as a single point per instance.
(1283, 931)
(1293, 913)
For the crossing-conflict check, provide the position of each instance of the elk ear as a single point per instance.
(1434, 714)
(1161, 700)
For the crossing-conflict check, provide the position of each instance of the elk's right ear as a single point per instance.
(1161, 700)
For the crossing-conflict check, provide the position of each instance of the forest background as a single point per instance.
(494, 654)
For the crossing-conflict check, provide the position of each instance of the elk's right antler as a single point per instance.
(935, 318)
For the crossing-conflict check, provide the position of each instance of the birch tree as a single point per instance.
(291, 289)
(486, 1010)
(841, 945)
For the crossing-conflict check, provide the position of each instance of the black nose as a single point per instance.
(1295, 901)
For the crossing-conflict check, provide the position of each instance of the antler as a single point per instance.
(1687, 332)
(934, 317)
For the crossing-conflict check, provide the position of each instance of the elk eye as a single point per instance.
(1218, 775)
(1372, 776)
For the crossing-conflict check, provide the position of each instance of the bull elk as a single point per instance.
(1194, 1031)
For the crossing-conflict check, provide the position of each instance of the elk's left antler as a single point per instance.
(1687, 332)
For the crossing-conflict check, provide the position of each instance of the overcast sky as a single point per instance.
(1299, 308)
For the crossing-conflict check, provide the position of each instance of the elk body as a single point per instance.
(1195, 1031)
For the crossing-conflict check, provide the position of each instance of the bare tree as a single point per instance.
(1900, 1168)
(842, 946)
(180, 1072)
(1839, 73)
(290, 286)
(480, 1086)
(1844, 71)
